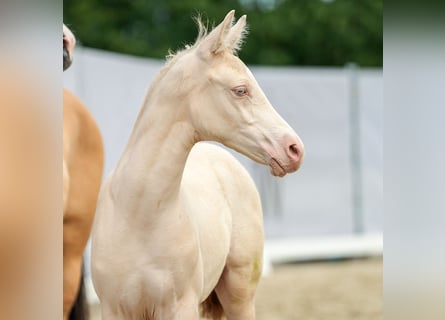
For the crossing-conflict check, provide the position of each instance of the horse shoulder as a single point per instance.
(83, 151)
(83, 158)
(82, 137)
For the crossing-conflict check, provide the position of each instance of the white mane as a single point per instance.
(202, 34)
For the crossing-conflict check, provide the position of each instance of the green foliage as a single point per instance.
(291, 32)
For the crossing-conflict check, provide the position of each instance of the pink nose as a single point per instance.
(69, 41)
(295, 153)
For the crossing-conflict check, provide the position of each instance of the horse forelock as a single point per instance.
(203, 32)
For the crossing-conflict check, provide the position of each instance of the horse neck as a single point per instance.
(150, 170)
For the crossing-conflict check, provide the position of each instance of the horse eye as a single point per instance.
(240, 91)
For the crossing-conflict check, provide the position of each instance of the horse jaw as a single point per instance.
(69, 42)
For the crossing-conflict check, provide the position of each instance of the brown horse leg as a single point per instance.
(80, 310)
(72, 269)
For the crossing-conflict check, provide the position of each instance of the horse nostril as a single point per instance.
(65, 42)
(294, 149)
(294, 152)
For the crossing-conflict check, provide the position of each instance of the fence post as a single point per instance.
(355, 152)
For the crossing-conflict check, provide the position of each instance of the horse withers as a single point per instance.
(83, 157)
(178, 230)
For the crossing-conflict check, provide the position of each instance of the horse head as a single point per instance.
(69, 41)
(227, 104)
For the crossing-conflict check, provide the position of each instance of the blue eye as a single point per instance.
(240, 91)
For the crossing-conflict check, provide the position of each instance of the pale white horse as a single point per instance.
(179, 224)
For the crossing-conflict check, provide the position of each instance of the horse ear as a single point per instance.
(215, 41)
(237, 34)
(222, 31)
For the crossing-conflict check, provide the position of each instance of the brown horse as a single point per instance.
(83, 158)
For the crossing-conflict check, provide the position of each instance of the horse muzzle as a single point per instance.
(67, 60)
(287, 159)
(69, 41)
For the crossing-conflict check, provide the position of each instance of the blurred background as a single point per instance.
(320, 64)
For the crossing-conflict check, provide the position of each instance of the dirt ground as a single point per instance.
(340, 290)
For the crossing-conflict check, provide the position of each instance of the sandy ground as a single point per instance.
(340, 290)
